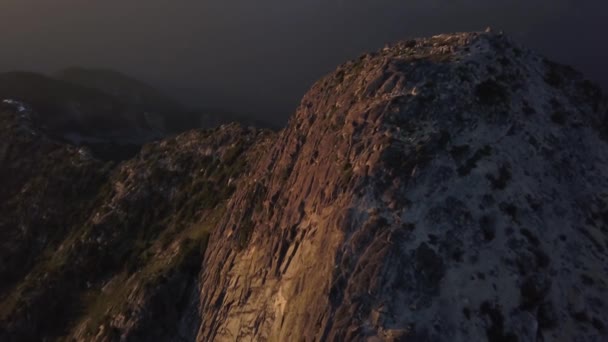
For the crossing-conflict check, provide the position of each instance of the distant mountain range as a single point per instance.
(100, 107)
(121, 86)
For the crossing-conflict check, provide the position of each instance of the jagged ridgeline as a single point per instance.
(444, 189)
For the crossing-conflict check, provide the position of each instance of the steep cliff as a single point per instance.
(451, 188)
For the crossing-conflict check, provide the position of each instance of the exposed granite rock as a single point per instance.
(443, 189)
(440, 189)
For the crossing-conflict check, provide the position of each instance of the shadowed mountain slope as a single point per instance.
(451, 188)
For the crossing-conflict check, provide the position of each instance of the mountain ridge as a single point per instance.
(442, 188)
(105, 110)
(386, 117)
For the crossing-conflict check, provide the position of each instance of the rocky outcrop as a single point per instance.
(448, 188)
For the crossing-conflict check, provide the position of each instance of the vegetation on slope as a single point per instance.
(111, 242)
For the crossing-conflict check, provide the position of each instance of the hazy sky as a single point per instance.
(259, 57)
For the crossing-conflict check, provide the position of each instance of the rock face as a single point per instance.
(444, 189)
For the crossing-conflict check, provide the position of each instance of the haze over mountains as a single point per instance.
(106, 110)
(450, 188)
(258, 58)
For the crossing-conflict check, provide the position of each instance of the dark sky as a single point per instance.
(259, 57)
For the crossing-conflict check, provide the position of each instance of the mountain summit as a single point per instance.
(451, 188)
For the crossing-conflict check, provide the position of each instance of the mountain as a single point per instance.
(121, 86)
(170, 114)
(450, 188)
(176, 117)
(68, 108)
(80, 237)
(112, 128)
(108, 112)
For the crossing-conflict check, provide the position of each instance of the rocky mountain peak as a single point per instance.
(444, 188)
(434, 189)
